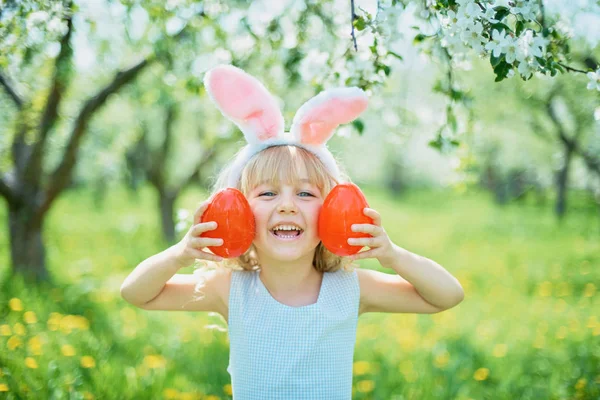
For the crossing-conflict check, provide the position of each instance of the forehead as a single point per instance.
(297, 181)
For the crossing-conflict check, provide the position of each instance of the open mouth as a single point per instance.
(287, 235)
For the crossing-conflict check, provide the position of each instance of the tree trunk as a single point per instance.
(167, 212)
(27, 250)
(562, 184)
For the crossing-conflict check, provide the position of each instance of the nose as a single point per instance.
(286, 205)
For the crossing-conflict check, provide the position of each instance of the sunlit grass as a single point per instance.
(528, 327)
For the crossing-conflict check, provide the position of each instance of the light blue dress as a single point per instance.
(289, 353)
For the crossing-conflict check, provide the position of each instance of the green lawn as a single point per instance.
(527, 328)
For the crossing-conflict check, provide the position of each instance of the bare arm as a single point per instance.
(149, 278)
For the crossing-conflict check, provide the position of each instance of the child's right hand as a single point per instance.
(191, 246)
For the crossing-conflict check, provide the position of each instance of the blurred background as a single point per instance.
(108, 142)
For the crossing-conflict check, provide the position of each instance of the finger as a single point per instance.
(200, 210)
(362, 241)
(363, 254)
(367, 228)
(203, 255)
(369, 212)
(200, 243)
(202, 227)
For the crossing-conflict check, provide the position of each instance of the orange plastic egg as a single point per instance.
(343, 207)
(235, 223)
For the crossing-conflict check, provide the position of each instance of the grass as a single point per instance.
(527, 328)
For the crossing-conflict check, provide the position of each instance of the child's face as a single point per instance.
(299, 204)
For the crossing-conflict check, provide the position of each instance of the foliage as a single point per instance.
(525, 330)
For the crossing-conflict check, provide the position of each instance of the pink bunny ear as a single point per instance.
(316, 120)
(245, 101)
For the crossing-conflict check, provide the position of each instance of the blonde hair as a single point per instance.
(279, 164)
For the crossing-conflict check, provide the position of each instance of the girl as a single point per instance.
(290, 304)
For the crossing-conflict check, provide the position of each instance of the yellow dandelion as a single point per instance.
(54, 321)
(19, 329)
(228, 390)
(581, 384)
(35, 345)
(14, 342)
(154, 361)
(561, 333)
(481, 374)
(170, 393)
(3, 387)
(361, 367)
(31, 363)
(67, 350)
(15, 304)
(442, 359)
(365, 386)
(5, 330)
(29, 317)
(188, 396)
(545, 289)
(500, 350)
(81, 322)
(88, 396)
(88, 362)
(212, 397)
(589, 290)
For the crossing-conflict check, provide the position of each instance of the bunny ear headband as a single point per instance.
(243, 99)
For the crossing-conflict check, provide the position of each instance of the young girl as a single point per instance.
(290, 304)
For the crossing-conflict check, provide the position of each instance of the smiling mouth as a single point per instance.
(286, 235)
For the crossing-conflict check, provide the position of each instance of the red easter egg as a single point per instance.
(235, 223)
(343, 207)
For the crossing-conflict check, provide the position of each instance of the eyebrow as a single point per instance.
(266, 182)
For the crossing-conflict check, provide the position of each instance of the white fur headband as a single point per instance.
(244, 100)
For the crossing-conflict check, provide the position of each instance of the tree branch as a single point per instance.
(61, 176)
(7, 191)
(62, 71)
(353, 16)
(11, 92)
(206, 158)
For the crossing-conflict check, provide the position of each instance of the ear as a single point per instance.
(316, 120)
(243, 99)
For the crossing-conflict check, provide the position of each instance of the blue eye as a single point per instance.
(264, 193)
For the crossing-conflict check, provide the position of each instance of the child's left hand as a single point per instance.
(381, 247)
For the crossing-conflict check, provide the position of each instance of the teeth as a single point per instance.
(287, 228)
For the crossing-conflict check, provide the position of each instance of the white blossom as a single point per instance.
(594, 82)
(526, 8)
(489, 15)
(472, 36)
(498, 43)
(510, 50)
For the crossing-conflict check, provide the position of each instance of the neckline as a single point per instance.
(288, 306)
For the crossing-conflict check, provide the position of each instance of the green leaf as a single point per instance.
(419, 38)
(496, 60)
(501, 70)
(519, 28)
(360, 23)
(359, 125)
(398, 56)
(501, 12)
(500, 27)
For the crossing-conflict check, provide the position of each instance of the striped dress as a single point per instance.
(292, 353)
